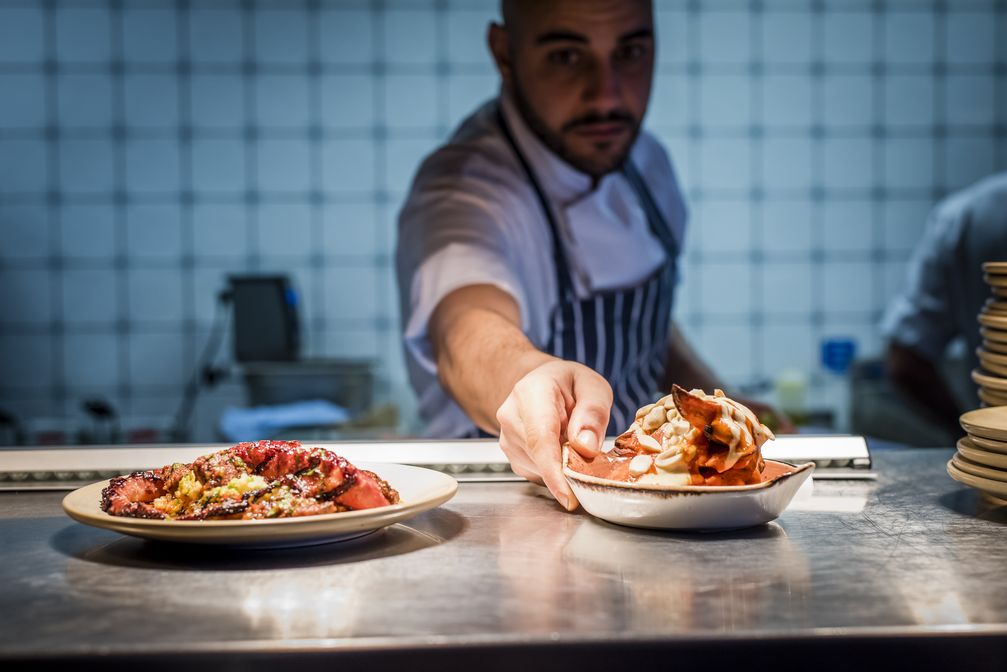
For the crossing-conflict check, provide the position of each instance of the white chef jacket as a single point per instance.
(472, 217)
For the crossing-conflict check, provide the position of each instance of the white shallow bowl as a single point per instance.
(990, 423)
(419, 490)
(970, 450)
(689, 507)
(969, 467)
(987, 485)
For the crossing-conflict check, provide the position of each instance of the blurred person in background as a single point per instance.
(538, 249)
(944, 293)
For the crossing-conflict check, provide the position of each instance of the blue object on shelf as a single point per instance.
(838, 353)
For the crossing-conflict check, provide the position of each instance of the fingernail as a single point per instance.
(588, 439)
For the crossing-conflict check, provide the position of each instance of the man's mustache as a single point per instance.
(615, 116)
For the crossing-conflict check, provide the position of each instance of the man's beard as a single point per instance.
(595, 167)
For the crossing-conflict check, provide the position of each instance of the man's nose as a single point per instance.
(604, 88)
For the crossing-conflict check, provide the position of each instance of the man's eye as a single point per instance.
(564, 57)
(632, 52)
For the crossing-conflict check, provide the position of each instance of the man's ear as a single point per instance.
(499, 44)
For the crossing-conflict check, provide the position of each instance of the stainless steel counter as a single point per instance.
(908, 568)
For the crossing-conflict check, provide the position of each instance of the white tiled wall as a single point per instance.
(149, 148)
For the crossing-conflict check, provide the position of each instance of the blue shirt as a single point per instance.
(945, 288)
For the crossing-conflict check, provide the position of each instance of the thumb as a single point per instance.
(592, 402)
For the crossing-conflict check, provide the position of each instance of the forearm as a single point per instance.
(684, 366)
(481, 353)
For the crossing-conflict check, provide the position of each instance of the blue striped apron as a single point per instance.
(620, 333)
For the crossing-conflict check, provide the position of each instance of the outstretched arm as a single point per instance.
(507, 386)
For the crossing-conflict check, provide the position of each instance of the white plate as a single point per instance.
(995, 383)
(994, 347)
(987, 485)
(1000, 291)
(993, 357)
(968, 448)
(992, 398)
(419, 490)
(995, 267)
(992, 367)
(995, 280)
(990, 320)
(688, 507)
(995, 335)
(990, 423)
(995, 306)
(989, 444)
(969, 467)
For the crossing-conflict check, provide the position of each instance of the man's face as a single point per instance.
(580, 73)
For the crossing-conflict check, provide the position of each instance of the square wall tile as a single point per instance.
(848, 100)
(969, 100)
(24, 232)
(786, 163)
(729, 351)
(22, 34)
(88, 231)
(24, 101)
(151, 100)
(220, 230)
(348, 165)
(91, 360)
(967, 160)
(848, 286)
(410, 36)
(26, 361)
(848, 37)
(154, 231)
(216, 35)
(669, 101)
(207, 283)
(849, 163)
(347, 36)
(87, 166)
(83, 100)
(83, 34)
(671, 26)
(726, 227)
(347, 101)
(283, 165)
(90, 296)
(787, 288)
(285, 230)
(905, 221)
(465, 38)
(282, 101)
(23, 165)
(787, 226)
(788, 346)
(909, 100)
(909, 36)
(467, 93)
(411, 101)
(848, 225)
(158, 359)
(217, 101)
(909, 163)
(26, 296)
(218, 166)
(350, 229)
(281, 36)
(152, 166)
(356, 343)
(350, 294)
(725, 36)
(786, 100)
(725, 100)
(971, 37)
(787, 37)
(726, 288)
(155, 295)
(725, 164)
(149, 35)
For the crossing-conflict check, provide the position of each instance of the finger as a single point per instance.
(541, 415)
(512, 443)
(592, 398)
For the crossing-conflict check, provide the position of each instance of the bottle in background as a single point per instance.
(837, 356)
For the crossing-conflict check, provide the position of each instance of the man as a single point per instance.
(538, 249)
(944, 293)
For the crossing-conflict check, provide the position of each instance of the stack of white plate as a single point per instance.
(992, 374)
(981, 460)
